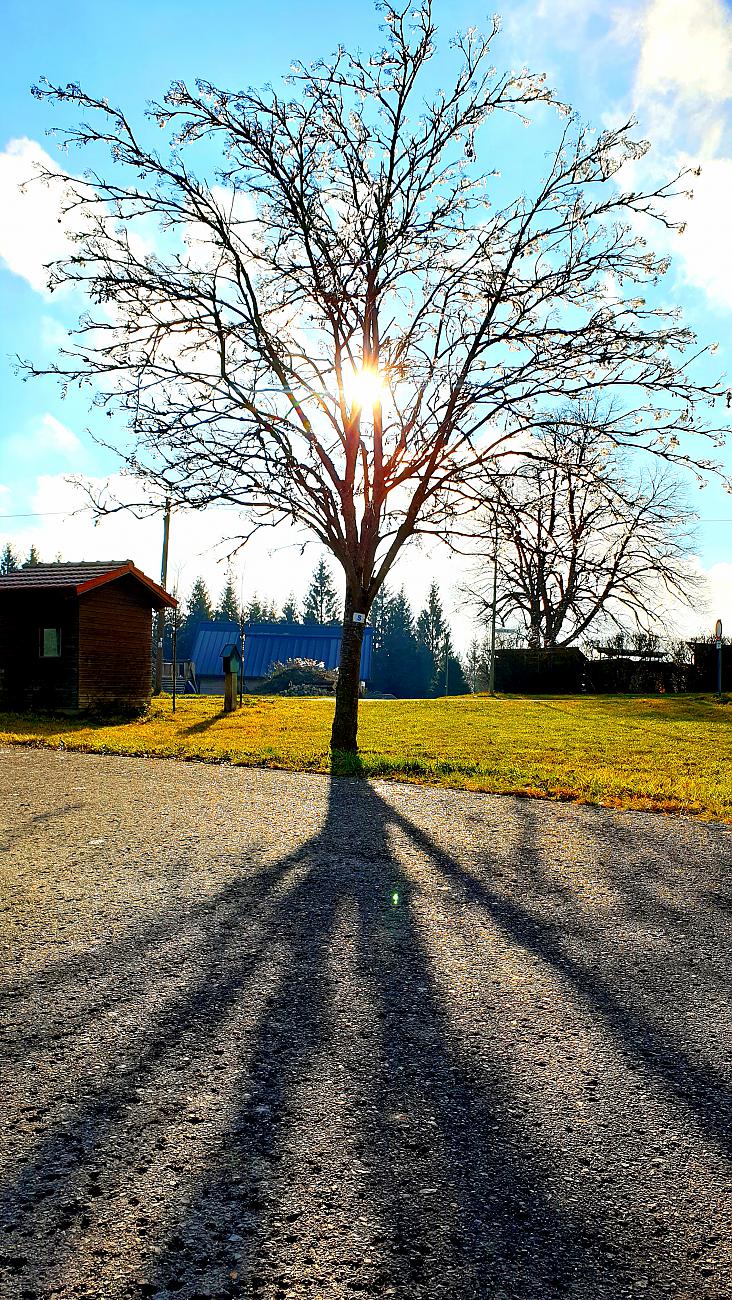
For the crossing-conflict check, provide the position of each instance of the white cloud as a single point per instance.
(53, 333)
(687, 50)
(682, 93)
(52, 435)
(32, 230)
(719, 604)
(47, 437)
(705, 249)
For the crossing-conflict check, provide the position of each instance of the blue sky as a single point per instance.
(668, 61)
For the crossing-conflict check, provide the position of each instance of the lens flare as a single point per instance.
(366, 387)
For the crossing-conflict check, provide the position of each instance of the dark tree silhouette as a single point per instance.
(582, 539)
(228, 607)
(400, 664)
(9, 561)
(199, 603)
(355, 312)
(290, 611)
(321, 601)
(259, 611)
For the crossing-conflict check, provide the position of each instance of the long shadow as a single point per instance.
(196, 728)
(449, 1196)
(123, 968)
(452, 1170)
(369, 1147)
(703, 1089)
(24, 830)
(45, 1199)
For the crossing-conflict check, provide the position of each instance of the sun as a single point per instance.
(366, 387)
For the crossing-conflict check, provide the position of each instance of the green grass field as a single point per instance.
(667, 753)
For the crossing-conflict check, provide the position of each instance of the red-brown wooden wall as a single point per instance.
(115, 645)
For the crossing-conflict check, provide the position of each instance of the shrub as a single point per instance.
(300, 677)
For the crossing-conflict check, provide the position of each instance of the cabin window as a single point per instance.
(50, 643)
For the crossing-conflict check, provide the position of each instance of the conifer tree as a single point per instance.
(433, 637)
(199, 607)
(197, 610)
(34, 558)
(473, 661)
(227, 609)
(431, 624)
(379, 617)
(290, 611)
(400, 667)
(8, 559)
(258, 611)
(321, 603)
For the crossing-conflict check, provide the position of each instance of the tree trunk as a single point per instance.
(345, 722)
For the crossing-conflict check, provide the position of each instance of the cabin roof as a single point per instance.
(80, 577)
(267, 643)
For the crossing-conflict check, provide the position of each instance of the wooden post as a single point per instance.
(175, 652)
(160, 620)
(231, 692)
(492, 674)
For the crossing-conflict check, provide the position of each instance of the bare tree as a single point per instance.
(342, 324)
(581, 540)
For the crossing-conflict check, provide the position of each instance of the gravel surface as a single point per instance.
(267, 1035)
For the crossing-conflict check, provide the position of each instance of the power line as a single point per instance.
(45, 514)
(85, 510)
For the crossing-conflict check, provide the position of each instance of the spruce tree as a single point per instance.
(227, 609)
(473, 662)
(379, 616)
(33, 560)
(433, 637)
(451, 678)
(8, 559)
(431, 624)
(290, 611)
(197, 610)
(399, 666)
(199, 607)
(321, 603)
(258, 611)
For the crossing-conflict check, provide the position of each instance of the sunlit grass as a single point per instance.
(672, 753)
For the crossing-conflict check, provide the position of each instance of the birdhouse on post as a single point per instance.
(232, 667)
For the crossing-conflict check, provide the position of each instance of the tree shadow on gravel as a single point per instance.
(359, 1140)
(368, 1154)
(25, 830)
(706, 1092)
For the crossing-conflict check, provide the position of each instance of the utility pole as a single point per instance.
(175, 653)
(160, 620)
(241, 641)
(492, 674)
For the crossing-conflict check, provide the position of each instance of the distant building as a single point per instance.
(265, 644)
(706, 658)
(77, 636)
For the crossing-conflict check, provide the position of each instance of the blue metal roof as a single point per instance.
(208, 648)
(268, 643)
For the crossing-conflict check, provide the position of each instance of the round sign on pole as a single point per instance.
(718, 629)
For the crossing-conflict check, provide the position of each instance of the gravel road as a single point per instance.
(267, 1035)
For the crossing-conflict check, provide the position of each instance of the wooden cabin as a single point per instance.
(77, 636)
